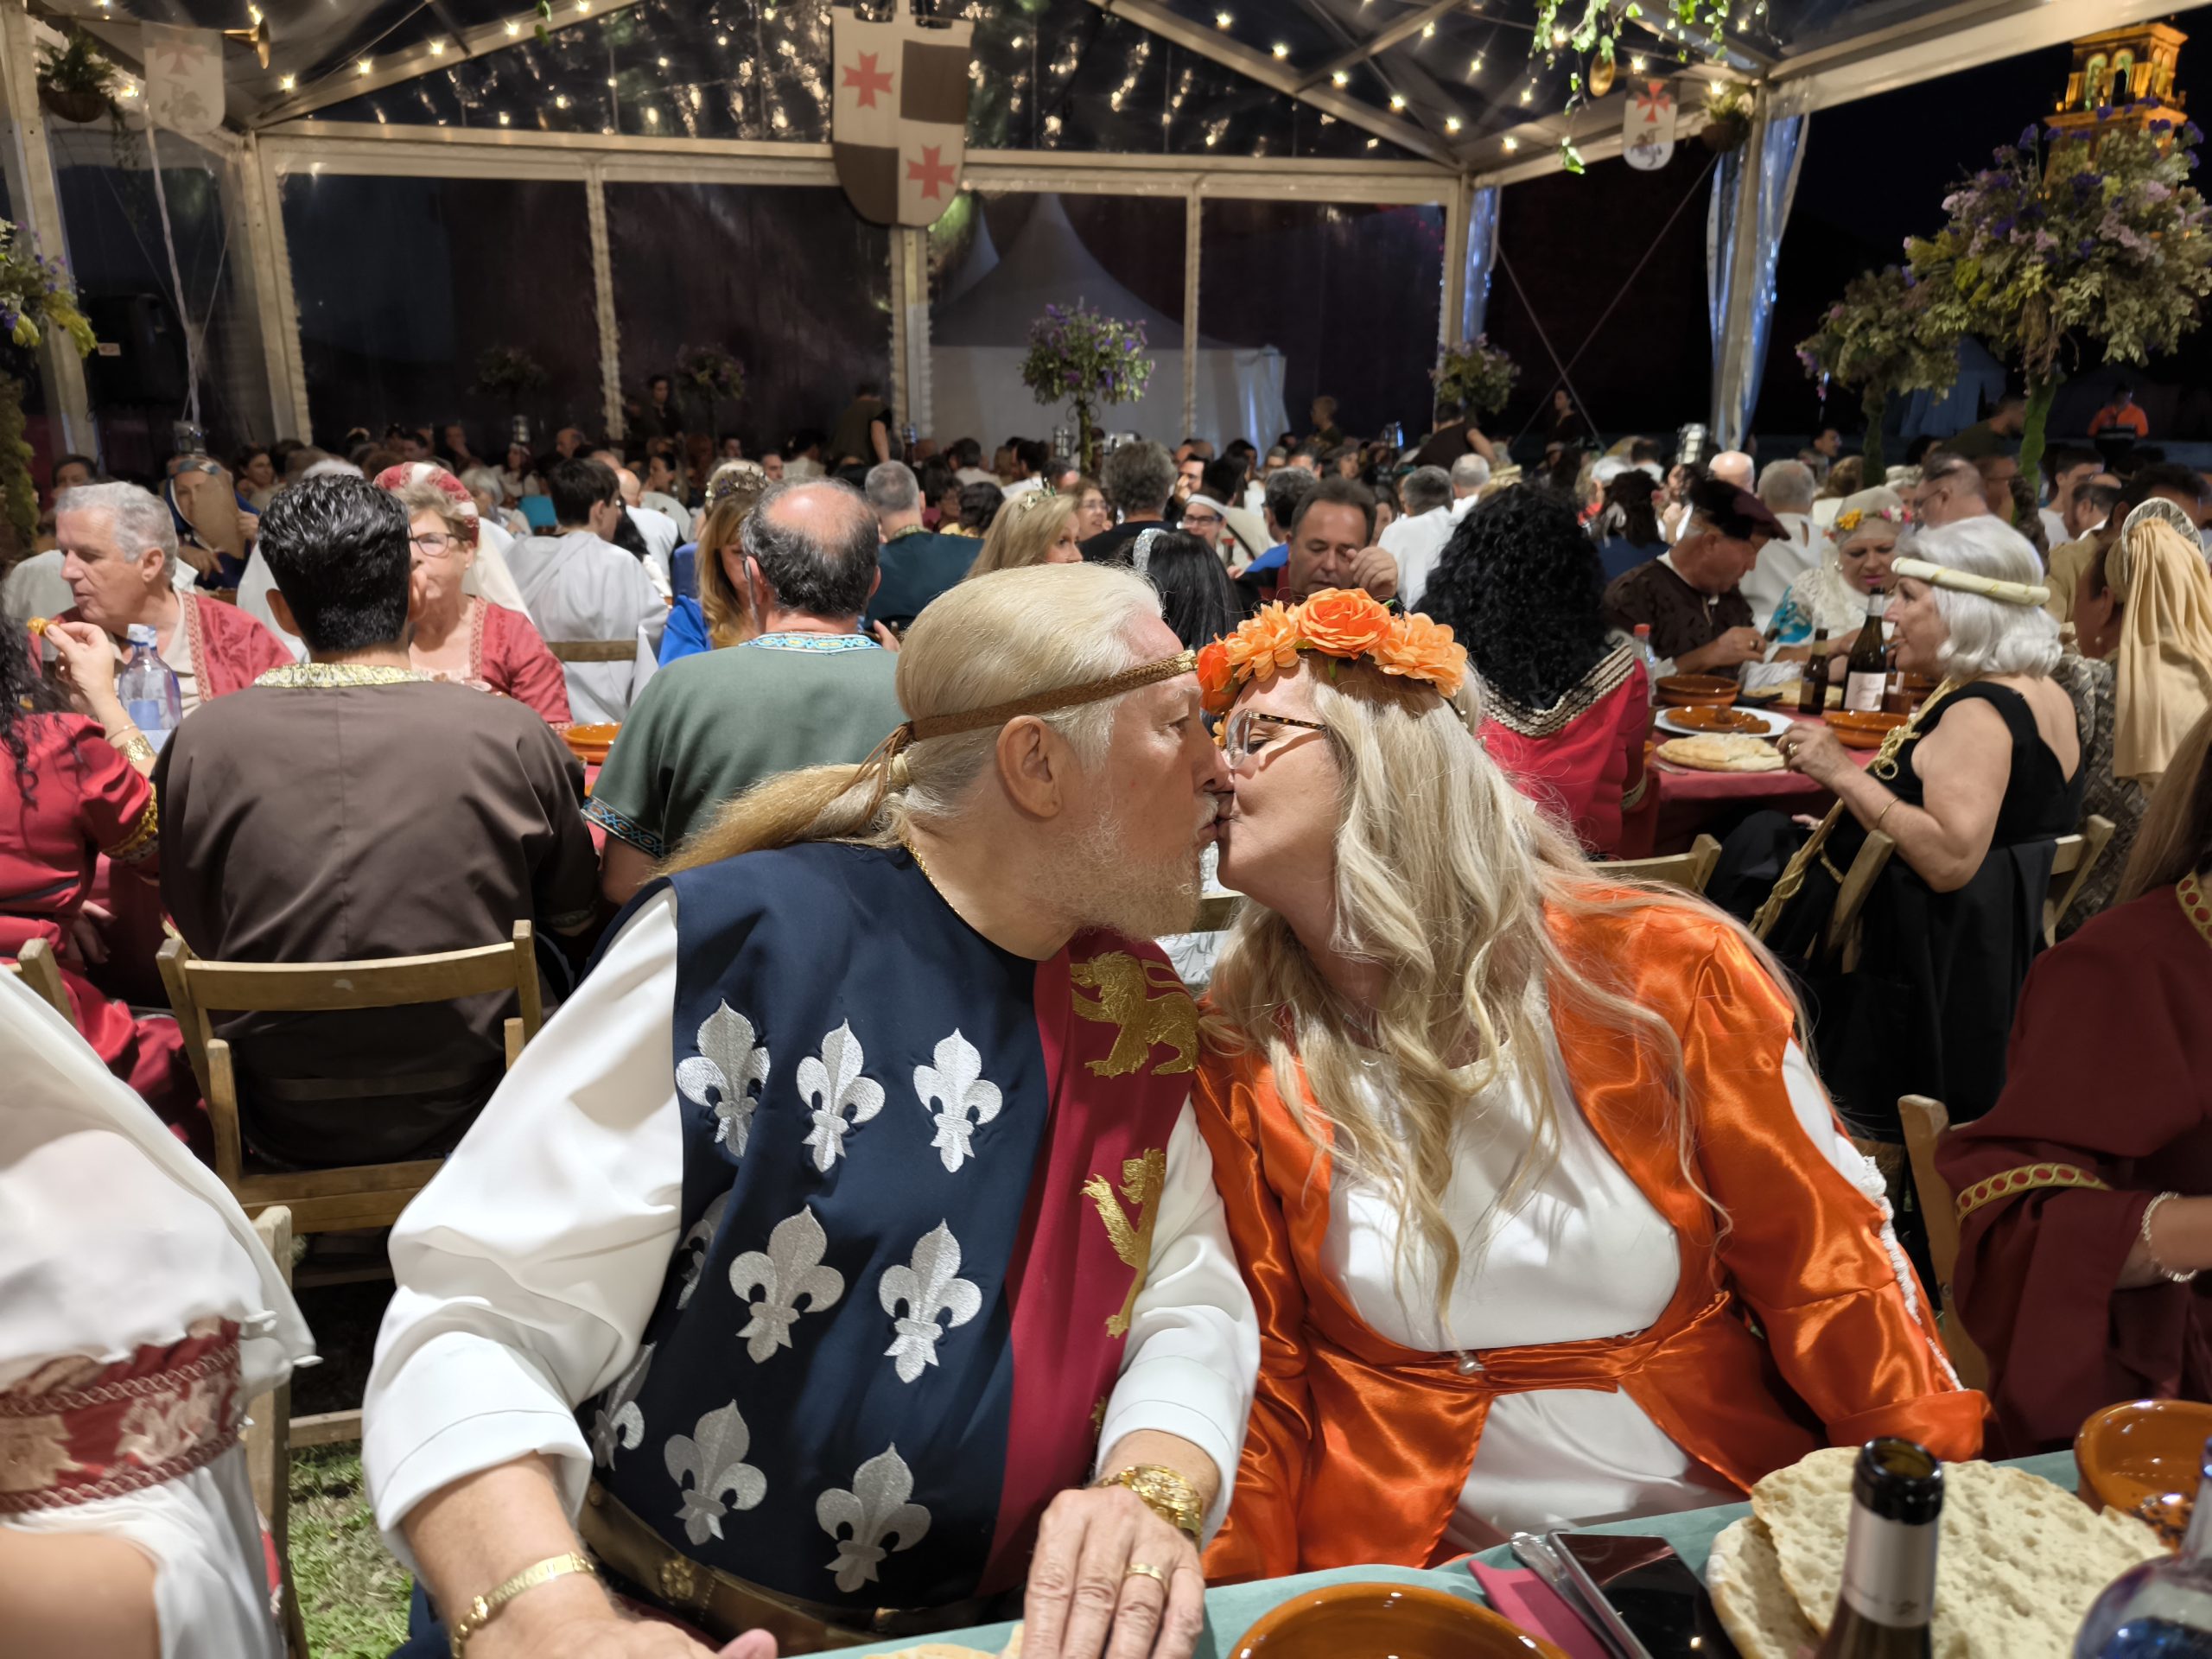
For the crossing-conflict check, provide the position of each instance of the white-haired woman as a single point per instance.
(1974, 793)
(1514, 1153)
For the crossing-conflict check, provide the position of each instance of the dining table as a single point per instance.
(1233, 1608)
(1679, 803)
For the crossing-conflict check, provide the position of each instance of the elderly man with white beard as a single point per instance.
(842, 1262)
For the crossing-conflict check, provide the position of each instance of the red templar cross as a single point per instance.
(931, 173)
(866, 80)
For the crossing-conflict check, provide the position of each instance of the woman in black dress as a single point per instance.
(1987, 779)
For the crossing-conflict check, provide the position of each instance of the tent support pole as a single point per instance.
(1193, 219)
(602, 282)
(37, 198)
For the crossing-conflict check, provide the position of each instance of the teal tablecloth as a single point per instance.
(1234, 1609)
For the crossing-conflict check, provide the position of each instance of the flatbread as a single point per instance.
(1722, 751)
(1744, 1576)
(2019, 1563)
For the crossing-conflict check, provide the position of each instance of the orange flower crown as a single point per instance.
(1337, 622)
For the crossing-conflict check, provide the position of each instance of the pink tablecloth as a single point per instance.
(1678, 803)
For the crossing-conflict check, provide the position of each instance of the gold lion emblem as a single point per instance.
(1142, 1181)
(1125, 988)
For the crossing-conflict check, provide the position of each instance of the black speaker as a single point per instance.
(140, 356)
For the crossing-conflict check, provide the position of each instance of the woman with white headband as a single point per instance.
(1974, 790)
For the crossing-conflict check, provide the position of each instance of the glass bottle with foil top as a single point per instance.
(2162, 1609)
(1887, 1603)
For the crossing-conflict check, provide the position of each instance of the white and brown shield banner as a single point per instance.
(899, 127)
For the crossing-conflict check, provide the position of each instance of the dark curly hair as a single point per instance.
(1521, 588)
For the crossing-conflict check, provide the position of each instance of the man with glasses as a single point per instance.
(351, 806)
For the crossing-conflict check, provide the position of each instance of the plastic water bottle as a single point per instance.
(148, 687)
(1650, 662)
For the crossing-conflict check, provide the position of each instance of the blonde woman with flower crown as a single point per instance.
(1516, 1156)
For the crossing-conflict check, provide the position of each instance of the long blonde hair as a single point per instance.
(1443, 875)
(1010, 634)
(729, 617)
(1023, 532)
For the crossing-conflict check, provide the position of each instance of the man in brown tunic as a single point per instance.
(350, 807)
(1690, 595)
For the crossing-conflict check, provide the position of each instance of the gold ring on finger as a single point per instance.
(1146, 1570)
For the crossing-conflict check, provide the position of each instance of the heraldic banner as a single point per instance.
(899, 126)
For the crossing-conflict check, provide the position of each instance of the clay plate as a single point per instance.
(1388, 1621)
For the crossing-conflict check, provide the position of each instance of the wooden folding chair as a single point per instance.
(2077, 856)
(35, 966)
(268, 1438)
(1842, 935)
(593, 651)
(1689, 871)
(1925, 1120)
(366, 1195)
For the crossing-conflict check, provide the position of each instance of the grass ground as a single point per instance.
(352, 1592)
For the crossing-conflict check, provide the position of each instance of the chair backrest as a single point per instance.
(1851, 897)
(196, 988)
(593, 651)
(1924, 1122)
(1689, 871)
(38, 970)
(2076, 856)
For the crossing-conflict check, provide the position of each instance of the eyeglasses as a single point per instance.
(1248, 731)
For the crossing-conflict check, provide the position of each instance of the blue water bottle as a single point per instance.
(148, 687)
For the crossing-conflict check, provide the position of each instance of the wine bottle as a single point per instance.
(1868, 670)
(2162, 1609)
(1813, 688)
(1888, 1599)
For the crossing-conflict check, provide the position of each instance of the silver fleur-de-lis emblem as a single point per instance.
(929, 1285)
(692, 1252)
(791, 1270)
(832, 1081)
(727, 1073)
(966, 1100)
(619, 1424)
(876, 1508)
(712, 1456)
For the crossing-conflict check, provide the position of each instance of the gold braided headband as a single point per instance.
(886, 753)
(1965, 582)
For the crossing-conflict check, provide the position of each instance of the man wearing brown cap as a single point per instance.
(1692, 595)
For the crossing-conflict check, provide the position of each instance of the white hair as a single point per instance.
(1469, 473)
(138, 518)
(1988, 635)
(1787, 486)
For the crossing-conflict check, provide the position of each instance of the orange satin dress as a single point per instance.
(1357, 1448)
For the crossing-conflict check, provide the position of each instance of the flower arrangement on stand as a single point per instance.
(713, 378)
(37, 300)
(1877, 340)
(2107, 245)
(1079, 357)
(1476, 375)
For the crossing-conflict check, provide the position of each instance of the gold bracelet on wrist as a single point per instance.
(484, 1609)
(1166, 1493)
(133, 745)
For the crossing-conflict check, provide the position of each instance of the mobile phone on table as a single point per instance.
(1645, 1593)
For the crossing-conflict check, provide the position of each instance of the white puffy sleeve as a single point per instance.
(528, 1269)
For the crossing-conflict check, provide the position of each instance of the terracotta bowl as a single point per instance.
(1704, 717)
(1369, 1621)
(1697, 691)
(1857, 731)
(590, 743)
(2143, 1457)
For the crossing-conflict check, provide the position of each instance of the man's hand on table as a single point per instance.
(1728, 650)
(1083, 1600)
